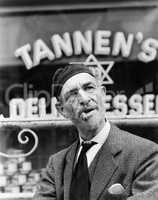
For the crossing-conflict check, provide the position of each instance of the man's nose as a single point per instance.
(83, 97)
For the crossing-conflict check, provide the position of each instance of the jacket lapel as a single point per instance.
(68, 169)
(106, 165)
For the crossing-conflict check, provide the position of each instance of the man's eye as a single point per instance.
(90, 87)
(71, 95)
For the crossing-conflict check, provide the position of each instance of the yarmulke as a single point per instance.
(63, 74)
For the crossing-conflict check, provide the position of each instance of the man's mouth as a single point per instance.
(88, 110)
(86, 113)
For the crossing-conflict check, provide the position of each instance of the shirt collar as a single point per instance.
(101, 137)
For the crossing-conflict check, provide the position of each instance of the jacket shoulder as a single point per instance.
(132, 143)
(136, 140)
(60, 155)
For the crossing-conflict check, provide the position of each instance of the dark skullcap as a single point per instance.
(63, 74)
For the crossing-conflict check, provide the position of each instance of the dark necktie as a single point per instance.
(80, 185)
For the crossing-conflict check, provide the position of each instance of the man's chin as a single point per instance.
(89, 121)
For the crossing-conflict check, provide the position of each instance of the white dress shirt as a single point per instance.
(100, 139)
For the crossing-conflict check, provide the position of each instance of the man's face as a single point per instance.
(83, 101)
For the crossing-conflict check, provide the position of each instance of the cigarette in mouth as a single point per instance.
(84, 117)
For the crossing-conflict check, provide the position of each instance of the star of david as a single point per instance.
(98, 69)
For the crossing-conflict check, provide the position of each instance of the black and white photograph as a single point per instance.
(79, 100)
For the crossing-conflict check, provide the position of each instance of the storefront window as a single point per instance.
(120, 42)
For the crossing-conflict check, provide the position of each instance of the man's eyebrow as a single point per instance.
(70, 91)
(75, 89)
(83, 85)
(88, 83)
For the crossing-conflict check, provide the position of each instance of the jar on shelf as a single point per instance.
(25, 167)
(12, 188)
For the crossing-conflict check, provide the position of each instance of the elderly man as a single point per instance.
(105, 162)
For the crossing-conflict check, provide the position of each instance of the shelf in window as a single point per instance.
(16, 195)
(137, 120)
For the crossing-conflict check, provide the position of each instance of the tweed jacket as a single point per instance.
(125, 158)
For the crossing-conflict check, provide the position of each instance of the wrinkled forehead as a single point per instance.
(77, 81)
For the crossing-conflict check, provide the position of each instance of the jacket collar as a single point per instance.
(105, 168)
(107, 164)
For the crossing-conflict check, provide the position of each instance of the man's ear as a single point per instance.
(103, 89)
(60, 109)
